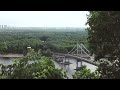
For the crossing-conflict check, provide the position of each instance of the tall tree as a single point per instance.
(104, 40)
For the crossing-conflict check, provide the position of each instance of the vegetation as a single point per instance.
(38, 65)
(48, 40)
(104, 41)
(85, 73)
(32, 66)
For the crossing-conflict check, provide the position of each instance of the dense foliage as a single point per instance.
(104, 40)
(48, 40)
(85, 73)
(32, 66)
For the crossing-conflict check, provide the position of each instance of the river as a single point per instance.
(6, 61)
(68, 68)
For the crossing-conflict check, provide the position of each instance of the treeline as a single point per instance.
(17, 41)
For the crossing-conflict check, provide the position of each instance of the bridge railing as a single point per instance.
(78, 58)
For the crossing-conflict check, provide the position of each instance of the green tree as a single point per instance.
(104, 41)
(3, 47)
(44, 38)
(85, 73)
(47, 53)
(32, 66)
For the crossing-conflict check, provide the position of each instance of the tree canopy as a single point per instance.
(54, 40)
(104, 41)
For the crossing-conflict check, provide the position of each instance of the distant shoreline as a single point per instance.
(11, 55)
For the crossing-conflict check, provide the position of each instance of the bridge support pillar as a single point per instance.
(80, 63)
(77, 63)
(65, 59)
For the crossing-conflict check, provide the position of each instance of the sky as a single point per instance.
(43, 18)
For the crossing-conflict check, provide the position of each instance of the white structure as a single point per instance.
(28, 47)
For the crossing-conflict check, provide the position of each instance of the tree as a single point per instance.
(85, 73)
(47, 53)
(104, 41)
(3, 48)
(32, 66)
(44, 38)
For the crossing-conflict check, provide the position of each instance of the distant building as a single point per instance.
(3, 26)
(28, 49)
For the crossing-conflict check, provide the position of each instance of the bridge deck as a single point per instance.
(78, 58)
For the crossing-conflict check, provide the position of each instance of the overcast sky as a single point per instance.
(43, 18)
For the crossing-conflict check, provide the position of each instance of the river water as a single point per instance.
(68, 68)
(6, 61)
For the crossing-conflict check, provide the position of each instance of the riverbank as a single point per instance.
(10, 55)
